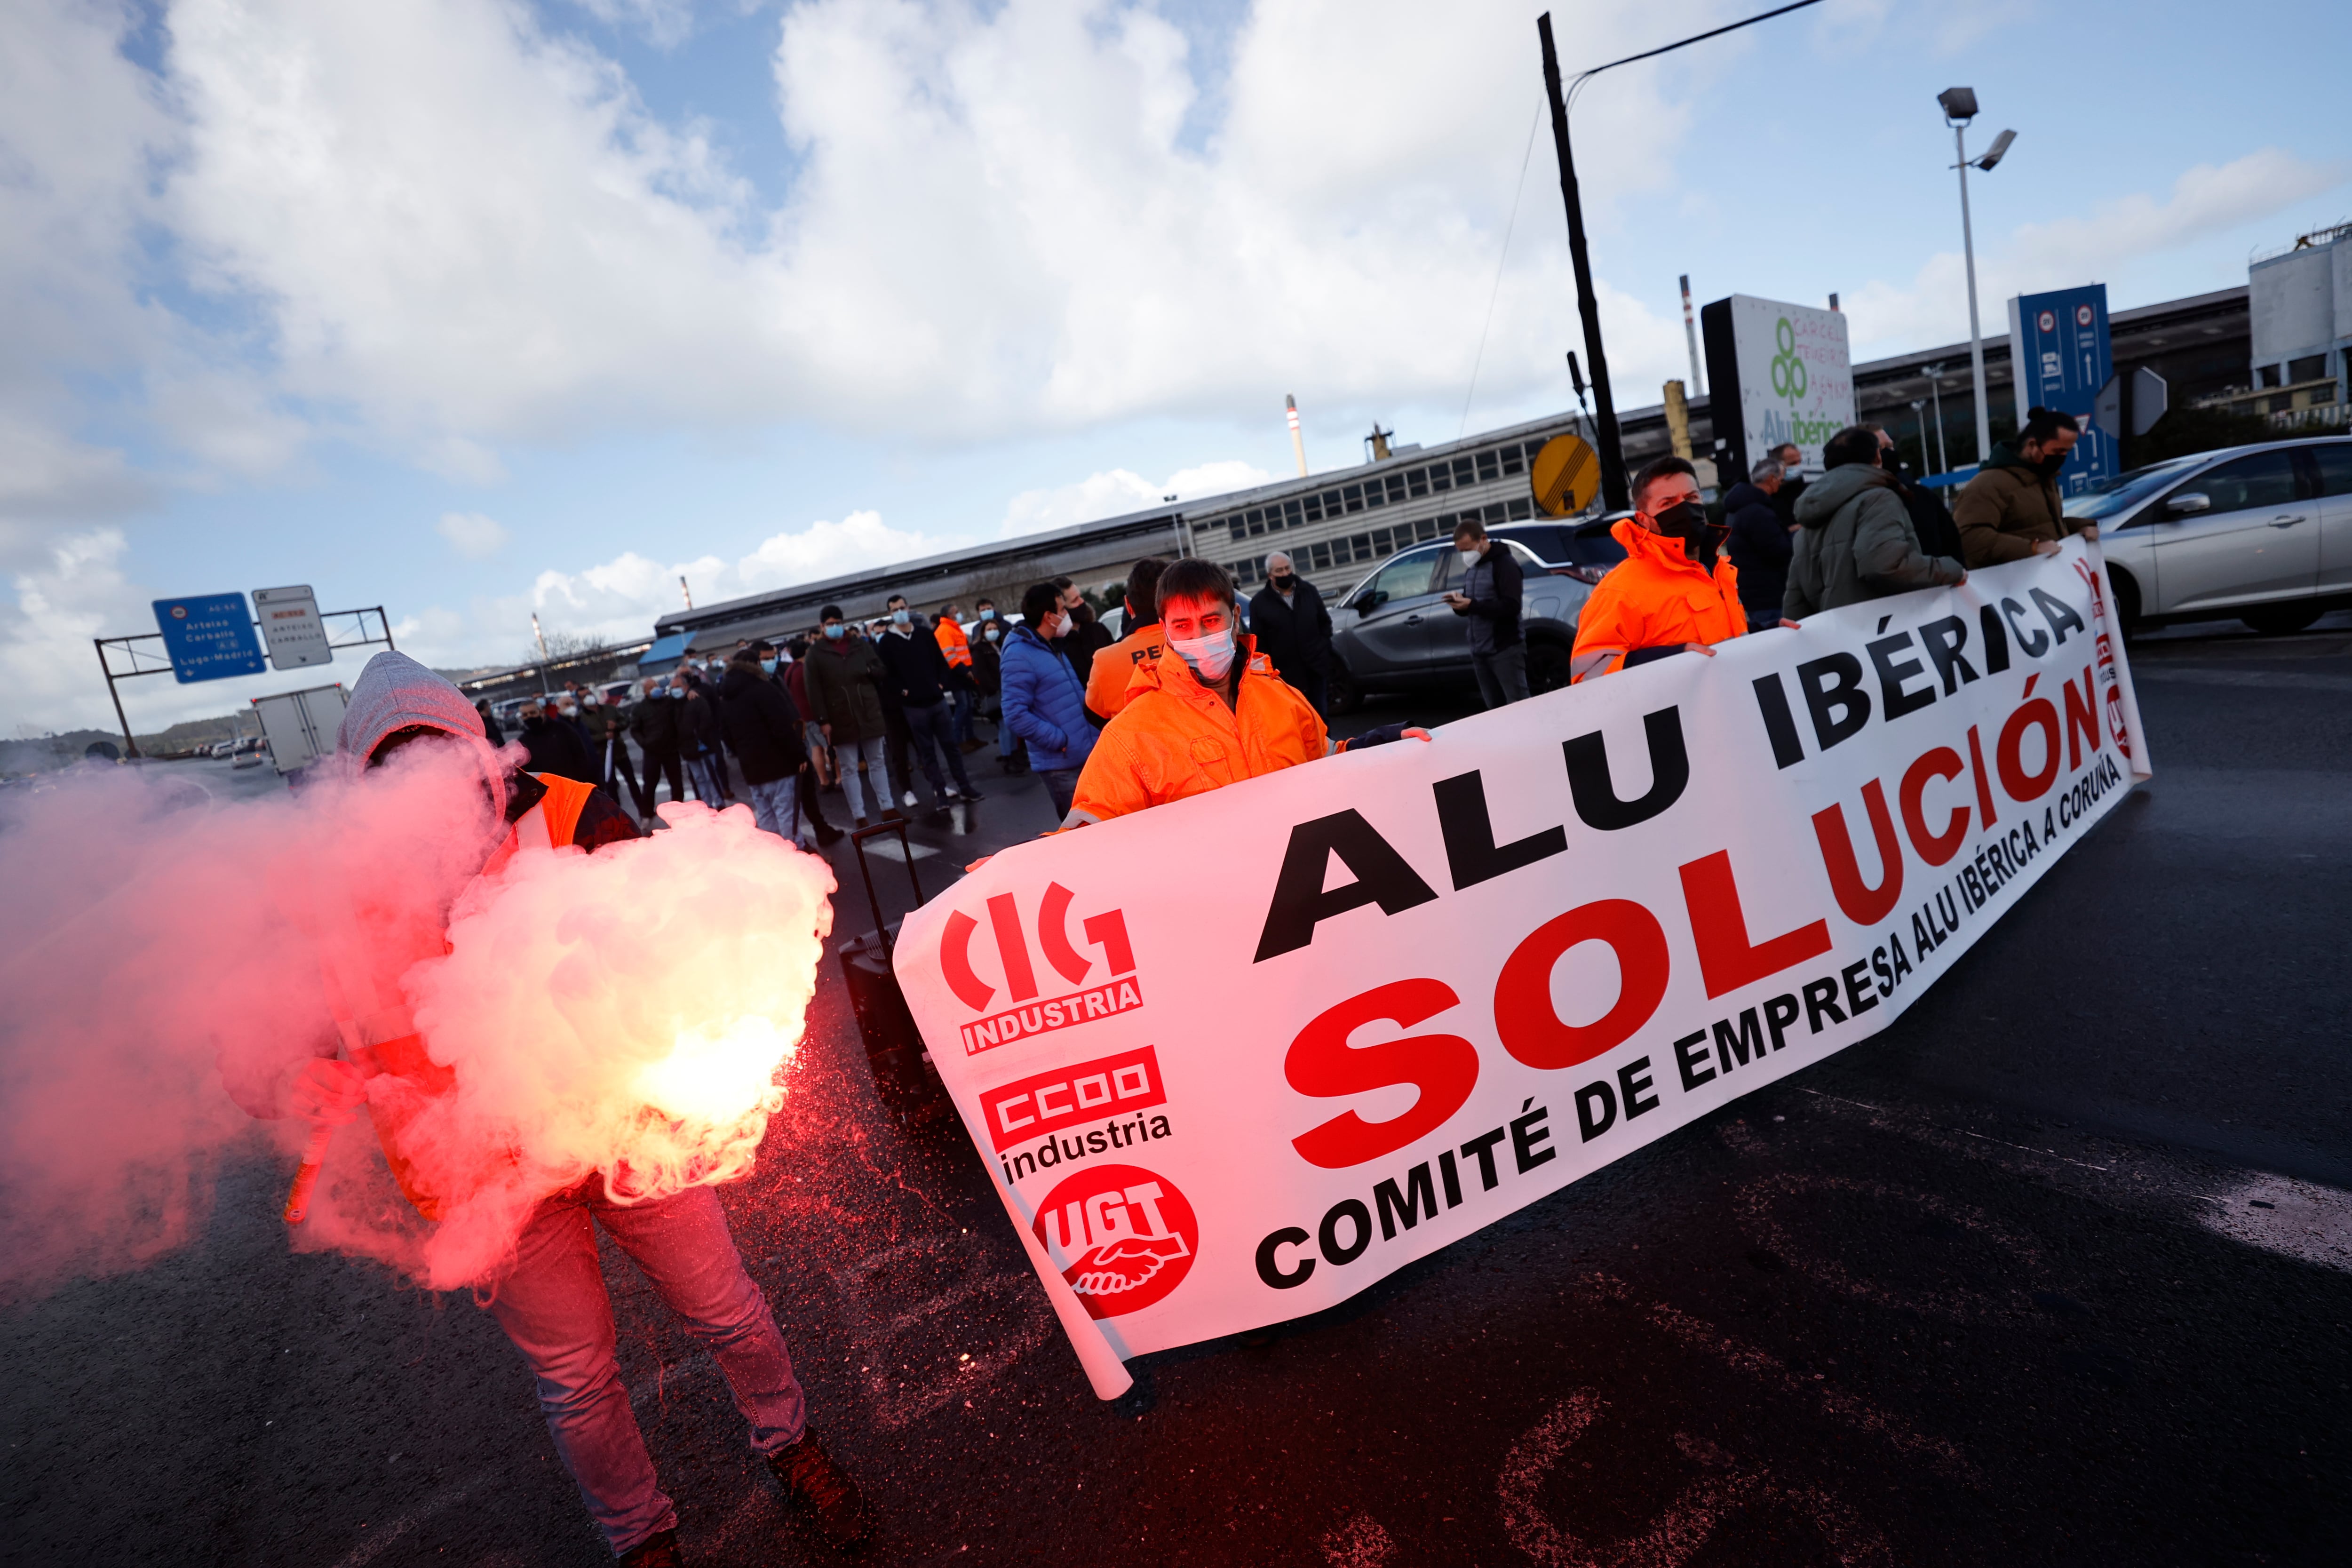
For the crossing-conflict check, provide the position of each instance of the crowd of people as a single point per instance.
(862, 708)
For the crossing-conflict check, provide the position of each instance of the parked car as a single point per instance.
(2262, 533)
(1393, 631)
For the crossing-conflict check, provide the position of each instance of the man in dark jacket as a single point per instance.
(763, 729)
(1759, 543)
(1938, 535)
(606, 719)
(554, 745)
(845, 680)
(698, 737)
(1792, 481)
(1293, 629)
(1087, 636)
(491, 730)
(920, 680)
(1855, 541)
(1492, 583)
(655, 722)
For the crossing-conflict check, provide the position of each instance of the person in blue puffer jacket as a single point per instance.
(1044, 703)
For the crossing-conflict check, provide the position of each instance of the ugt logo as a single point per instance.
(1121, 1235)
(1115, 993)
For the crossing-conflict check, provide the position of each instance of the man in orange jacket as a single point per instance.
(963, 690)
(1107, 679)
(1672, 594)
(550, 1297)
(1206, 711)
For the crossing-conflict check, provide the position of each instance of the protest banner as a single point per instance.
(1233, 1059)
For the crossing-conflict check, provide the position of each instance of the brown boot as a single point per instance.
(809, 1475)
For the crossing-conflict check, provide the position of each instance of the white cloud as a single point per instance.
(1116, 490)
(621, 597)
(1932, 307)
(471, 534)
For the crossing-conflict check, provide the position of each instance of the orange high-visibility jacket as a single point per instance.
(1175, 738)
(1655, 597)
(546, 826)
(953, 643)
(1115, 665)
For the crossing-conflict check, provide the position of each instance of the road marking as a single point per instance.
(1961, 1303)
(1677, 1532)
(1358, 1543)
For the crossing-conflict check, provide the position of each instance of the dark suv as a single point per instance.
(1394, 632)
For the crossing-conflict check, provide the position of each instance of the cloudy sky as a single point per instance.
(477, 307)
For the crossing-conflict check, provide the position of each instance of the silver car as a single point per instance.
(2262, 533)
(1394, 632)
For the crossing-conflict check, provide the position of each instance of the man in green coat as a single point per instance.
(1854, 538)
(2011, 510)
(845, 682)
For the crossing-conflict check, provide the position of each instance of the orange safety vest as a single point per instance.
(1655, 597)
(1115, 665)
(390, 1038)
(953, 643)
(1176, 737)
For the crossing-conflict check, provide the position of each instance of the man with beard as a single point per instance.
(2011, 510)
(1673, 592)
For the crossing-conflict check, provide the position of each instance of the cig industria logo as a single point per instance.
(1108, 984)
(1122, 1235)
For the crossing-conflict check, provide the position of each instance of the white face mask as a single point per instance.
(1209, 656)
(900, 617)
(1469, 558)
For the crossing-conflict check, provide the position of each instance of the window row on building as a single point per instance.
(1379, 544)
(1383, 490)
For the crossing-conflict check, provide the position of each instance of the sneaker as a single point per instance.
(971, 746)
(828, 834)
(809, 1476)
(656, 1551)
(909, 800)
(967, 793)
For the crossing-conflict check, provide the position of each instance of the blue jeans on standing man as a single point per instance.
(704, 772)
(552, 1304)
(776, 806)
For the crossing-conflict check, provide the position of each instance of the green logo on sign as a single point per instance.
(1788, 370)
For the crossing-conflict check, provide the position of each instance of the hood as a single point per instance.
(1833, 490)
(395, 692)
(738, 679)
(1653, 547)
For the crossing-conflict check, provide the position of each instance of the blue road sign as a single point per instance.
(2059, 348)
(209, 637)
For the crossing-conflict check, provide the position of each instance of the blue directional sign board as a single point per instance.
(209, 637)
(2058, 345)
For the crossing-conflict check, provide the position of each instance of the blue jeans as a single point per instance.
(777, 808)
(1061, 788)
(932, 734)
(962, 700)
(704, 773)
(553, 1304)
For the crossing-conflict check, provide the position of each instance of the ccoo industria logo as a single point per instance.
(1123, 1237)
(1114, 987)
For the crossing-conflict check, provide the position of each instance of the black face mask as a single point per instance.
(2048, 467)
(1282, 582)
(1686, 521)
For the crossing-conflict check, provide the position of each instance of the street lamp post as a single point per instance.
(1960, 104)
(1935, 374)
(1919, 416)
(1588, 305)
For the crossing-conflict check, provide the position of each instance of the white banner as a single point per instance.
(1233, 1059)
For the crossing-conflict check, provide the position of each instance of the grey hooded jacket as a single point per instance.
(1855, 542)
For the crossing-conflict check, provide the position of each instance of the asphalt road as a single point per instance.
(2056, 1269)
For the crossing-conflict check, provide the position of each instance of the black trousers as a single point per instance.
(657, 764)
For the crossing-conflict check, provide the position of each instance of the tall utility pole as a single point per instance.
(1614, 494)
(541, 637)
(1588, 306)
(1959, 107)
(1690, 336)
(1298, 443)
(1935, 374)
